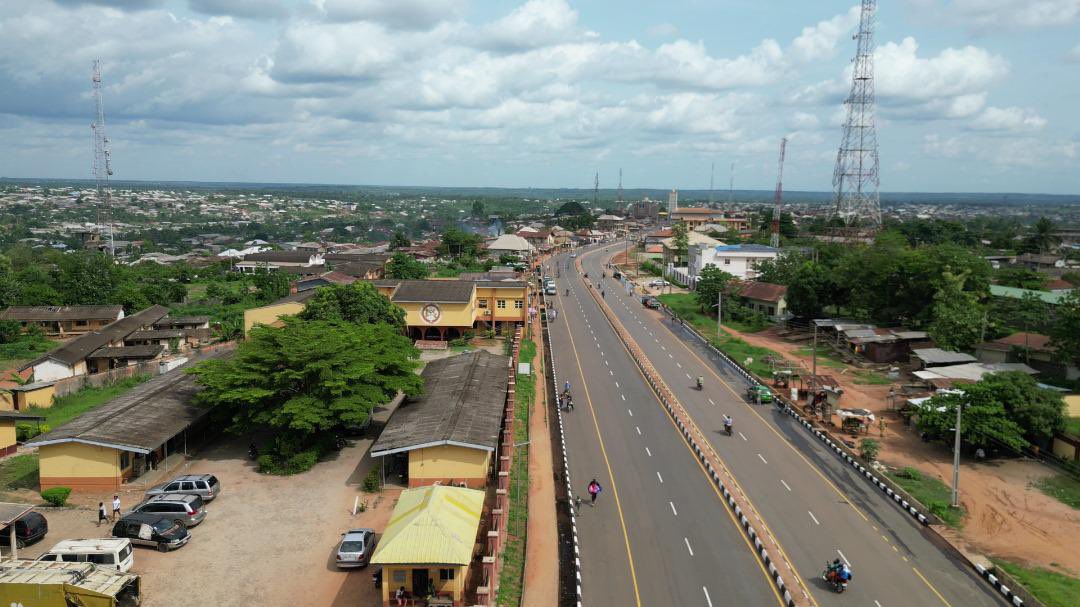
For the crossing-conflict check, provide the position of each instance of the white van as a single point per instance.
(113, 553)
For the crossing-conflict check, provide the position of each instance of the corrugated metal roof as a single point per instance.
(432, 525)
(77, 349)
(937, 356)
(57, 313)
(1015, 293)
(84, 577)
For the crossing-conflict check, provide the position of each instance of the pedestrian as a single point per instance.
(881, 426)
(101, 516)
(601, 294)
(594, 490)
(399, 596)
(115, 507)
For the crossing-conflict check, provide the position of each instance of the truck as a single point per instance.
(62, 584)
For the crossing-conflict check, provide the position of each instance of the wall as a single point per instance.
(79, 466)
(7, 436)
(1072, 405)
(41, 398)
(454, 587)
(1066, 448)
(268, 315)
(449, 464)
(451, 314)
(510, 313)
(48, 370)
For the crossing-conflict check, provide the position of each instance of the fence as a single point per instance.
(69, 385)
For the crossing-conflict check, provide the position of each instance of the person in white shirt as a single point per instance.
(115, 507)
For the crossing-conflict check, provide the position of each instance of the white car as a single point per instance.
(659, 282)
(355, 548)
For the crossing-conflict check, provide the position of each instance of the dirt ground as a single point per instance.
(1007, 518)
(266, 540)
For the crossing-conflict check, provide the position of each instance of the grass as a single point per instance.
(19, 472)
(1052, 588)
(738, 349)
(512, 575)
(869, 378)
(1061, 487)
(1072, 426)
(932, 493)
(823, 358)
(23, 349)
(67, 408)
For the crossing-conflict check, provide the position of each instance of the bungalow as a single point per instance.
(8, 419)
(696, 216)
(448, 435)
(765, 298)
(1032, 349)
(696, 241)
(429, 543)
(740, 260)
(610, 223)
(541, 240)
(64, 321)
(510, 244)
(276, 260)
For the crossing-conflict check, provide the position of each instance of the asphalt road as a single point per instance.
(817, 507)
(658, 534)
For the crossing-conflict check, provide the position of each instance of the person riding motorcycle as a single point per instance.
(837, 575)
(700, 382)
(728, 423)
(568, 293)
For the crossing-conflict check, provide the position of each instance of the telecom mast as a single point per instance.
(102, 166)
(712, 174)
(620, 195)
(731, 186)
(855, 179)
(596, 191)
(775, 239)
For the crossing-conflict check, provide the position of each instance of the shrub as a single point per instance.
(869, 448)
(57, 496)
(26, 431)
(909, 472)
(266, 464)
(373, 481)
(302, 462)
(459, 342)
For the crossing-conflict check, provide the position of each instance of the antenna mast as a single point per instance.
(855, 179)
(596, 191)
(712, 175)
(620, 200)
(775, 239)
(102, 166)
(731, 185)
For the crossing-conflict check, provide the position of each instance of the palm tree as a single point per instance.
(1043, 237)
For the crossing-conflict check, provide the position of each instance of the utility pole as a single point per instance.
(719, 311)
(814, 352)
(596, 191)
(731, 185)
(712, 174)
(956, 461)
(774, 240)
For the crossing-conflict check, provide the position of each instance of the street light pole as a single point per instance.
(956, 461)
(719, 311)
(814, 354)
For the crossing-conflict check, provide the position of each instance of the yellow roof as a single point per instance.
(431, 525)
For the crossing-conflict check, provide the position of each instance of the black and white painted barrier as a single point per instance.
(565, 464)
(988, 574)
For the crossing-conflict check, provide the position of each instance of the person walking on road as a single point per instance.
(115, 507)
(594, 490)
(101, 515)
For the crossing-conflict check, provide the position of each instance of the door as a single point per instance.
(419, 582)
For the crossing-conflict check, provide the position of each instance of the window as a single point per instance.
(727, 262)
(173, 487)
(482, 303)
(772, 311)
(399, 576)
(446, 574)
(187, 486)
(518, 304)
(501, 304)
(125, 460)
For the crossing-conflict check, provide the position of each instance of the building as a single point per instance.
(115, 357)
(510, 244)
(70, 359)
(59, 584)
(698, 216)
(672, 203)
(644, 210)
(270, 314)
(448, 435)
(694, 240)
(321, 280)
(64, 321)
(8, 435)
(541, 240)
(1047, 297)
(428, 544)
(1032, 349)
(936, 357)
(738, 260)
(610, 223)
(1040, 262)
(116, 442)
(765, 298)
(301, 261)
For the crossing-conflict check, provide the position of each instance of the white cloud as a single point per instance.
(254, 9)
(535, 24)
(903, 75)
(1014, 119)
(984, 14)
(820, 41)
(663, 30)
(401, 14)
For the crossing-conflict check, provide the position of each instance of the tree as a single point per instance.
(681, 239)
(1021, 278)
(402, 266)
(1043, 237)
(1038, 411)
(781, 269)
(87, 279)
(478, 209)
(807, 293)
(787, 224)
(358, 303)
(570, 208)
(957, 319)
(1065, 333)
(399, 240)
(308, 377)
(271, 285)
(984, 418)
(10, 331)
(711, 282)
(458, 244)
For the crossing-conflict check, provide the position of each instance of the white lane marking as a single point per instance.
(846, 562)
(606, 362)
(610, 372)
(742, 435)
(630, 412)
(623, 396)
(711, 402)
(659, 477)
(709, 600)
(813, 517)
(673, 510)
(616, 384)
(664, 348)
(688, 376)
(688, 546)
(638, 428)
(785, 485)
(647, 452)
(762, 458)
(877, 603)
(679, 365)
(669, 355)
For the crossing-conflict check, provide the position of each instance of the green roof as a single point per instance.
(1015, 293)
(431, 525)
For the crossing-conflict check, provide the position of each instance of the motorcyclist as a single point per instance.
(700, 382)
(568, 293)
(728, 423)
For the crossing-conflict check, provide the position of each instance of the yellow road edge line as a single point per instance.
(931, 587)
(716, 490)
(607, 464)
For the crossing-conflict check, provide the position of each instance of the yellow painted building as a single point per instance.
(38, 394)
(271, 314)
(427, 547)
(85, 466)
(452, 464)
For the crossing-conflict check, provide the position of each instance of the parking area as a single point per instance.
(266, 540)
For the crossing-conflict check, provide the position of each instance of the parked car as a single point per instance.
(355, 548)
(205, 486)
(659, 282)
(147, 529)
(759, 394)
(29, 528)
(650, 302)
(187, 510)
(109, 552)
(616, 275)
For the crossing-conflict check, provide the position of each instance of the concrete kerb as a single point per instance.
(677, 414)
(566, 462)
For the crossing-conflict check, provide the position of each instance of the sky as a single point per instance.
(973, 95)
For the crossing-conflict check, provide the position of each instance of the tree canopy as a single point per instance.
(710, 283)
(309, 376)
(457, 244)
(572, 207)
(1065, 333)
(405, 267)
(358, 303)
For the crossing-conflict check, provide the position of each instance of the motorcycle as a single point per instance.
(253, 452)
(700, 384)
(729, 429)
(833, 579)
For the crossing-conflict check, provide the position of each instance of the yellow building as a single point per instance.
(449, 434)
(434, 309)
(59, 584)
(428, 545)
(8, 419)
(38, 394)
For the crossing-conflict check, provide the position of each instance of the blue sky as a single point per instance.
(974, 95)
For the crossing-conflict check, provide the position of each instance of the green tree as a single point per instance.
(399, 240)
(957, 319)
(271, 285)
(1065, 333)
(984, 418)
(87, 279)
(10, 331)
(1038, 411)
(781, 269)
(308, 377)
(808, 291)
(572, 207)
(680, 237)
(711, 282)
(787, 224)
(1021, 278)
(1043, 237)
(402, 266)
(358, 303)
(459, 244)
(478, 209)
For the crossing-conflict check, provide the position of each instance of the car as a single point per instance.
(148, 529)
(659, 282)
(109, 552)
(759, 393)
(205, 486)
(650, 302)
(187, 510)
(29, 528)
(355, 548)
(616, 275)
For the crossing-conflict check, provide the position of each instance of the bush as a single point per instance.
(266, 464)
(302, 462)
(909, 472)
(27, 431)
(373, 481)
(869, 448)
(57, 496)
(459, 342)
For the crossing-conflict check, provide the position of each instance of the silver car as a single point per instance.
(186, 510)
(205, 486)
(355, 548)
